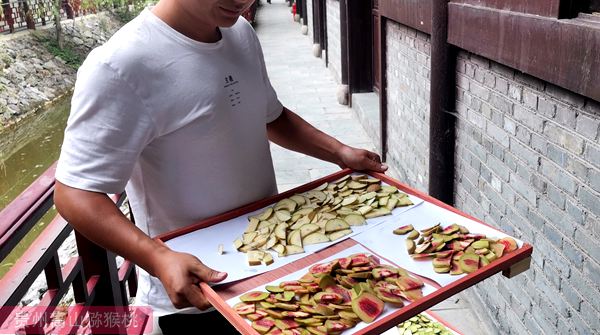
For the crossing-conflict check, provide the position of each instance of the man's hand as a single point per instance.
(180, 274)
(292, 132)
(359, 159)
(96, 217)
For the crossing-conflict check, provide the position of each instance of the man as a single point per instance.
(177, 109)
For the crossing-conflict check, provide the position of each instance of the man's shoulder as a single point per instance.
(128, 48)
(244, 28)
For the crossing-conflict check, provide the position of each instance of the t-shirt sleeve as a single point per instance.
(107, 130)
(274, 106)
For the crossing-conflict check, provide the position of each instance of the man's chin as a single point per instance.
(227, 23)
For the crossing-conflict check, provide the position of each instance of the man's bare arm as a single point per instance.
(292, 132)
(95, 216)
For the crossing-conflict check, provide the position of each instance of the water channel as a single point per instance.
(26, 151)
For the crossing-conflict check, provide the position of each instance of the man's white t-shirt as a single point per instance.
(179, 124)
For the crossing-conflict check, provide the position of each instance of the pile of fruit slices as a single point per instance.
(330, 298)
(453, 249)
(324, 214)
(422, 325)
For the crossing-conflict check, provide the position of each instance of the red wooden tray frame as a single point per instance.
(219, 294)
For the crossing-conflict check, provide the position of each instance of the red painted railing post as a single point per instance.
(98, 261)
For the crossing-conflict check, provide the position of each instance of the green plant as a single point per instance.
(3, 110)
(5, 59)
(103, 24)
(88, 5)
(126, 14)
(67, 53)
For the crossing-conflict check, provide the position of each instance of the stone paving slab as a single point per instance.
(307, 87)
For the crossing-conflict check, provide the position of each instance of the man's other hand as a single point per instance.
(181, 274)
(360, 159)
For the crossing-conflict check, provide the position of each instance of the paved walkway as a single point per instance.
(306, 86)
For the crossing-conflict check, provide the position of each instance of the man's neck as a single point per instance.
(186, 24)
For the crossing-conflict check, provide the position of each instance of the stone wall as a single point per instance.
(32, 75)
(334, 46)
(408, 104)
(528, 162)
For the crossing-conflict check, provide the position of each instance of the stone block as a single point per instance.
(556, 196)
(588, 126)
(577, 168)
(530, 98)
(539, 143)
(562, 180)
(489, 80)
(553, 256)
(592, 222)
(590, 313)
(583, 285)
(571, 295)
(532, 325)
(573, 253)
(590, 200)
(565, 116)
(528, 118)
(498, 167)
(538, 183)
(524, 153)
(501, 103)
(563, 137)
(591, 270)
(515, 92)
(575, 212)
(557, 155)
(523, 188)
(510, 126)
(502, 85)
(498, 134)
(592, 155)
(546, 108)
(521, 132)
(594, 179)
(479, 91)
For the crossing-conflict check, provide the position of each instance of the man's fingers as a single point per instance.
(180, 300)
(374, 162)
(208, 275)
(194, 295)
(373, 156)
(375, 166)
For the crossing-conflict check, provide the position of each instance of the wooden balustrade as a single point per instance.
(93, 274)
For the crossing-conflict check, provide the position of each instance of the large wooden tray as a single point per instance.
(510, 264)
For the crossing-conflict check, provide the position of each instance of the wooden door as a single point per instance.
(376, 51)
(359, 39)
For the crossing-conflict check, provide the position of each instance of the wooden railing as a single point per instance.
(93, 274)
